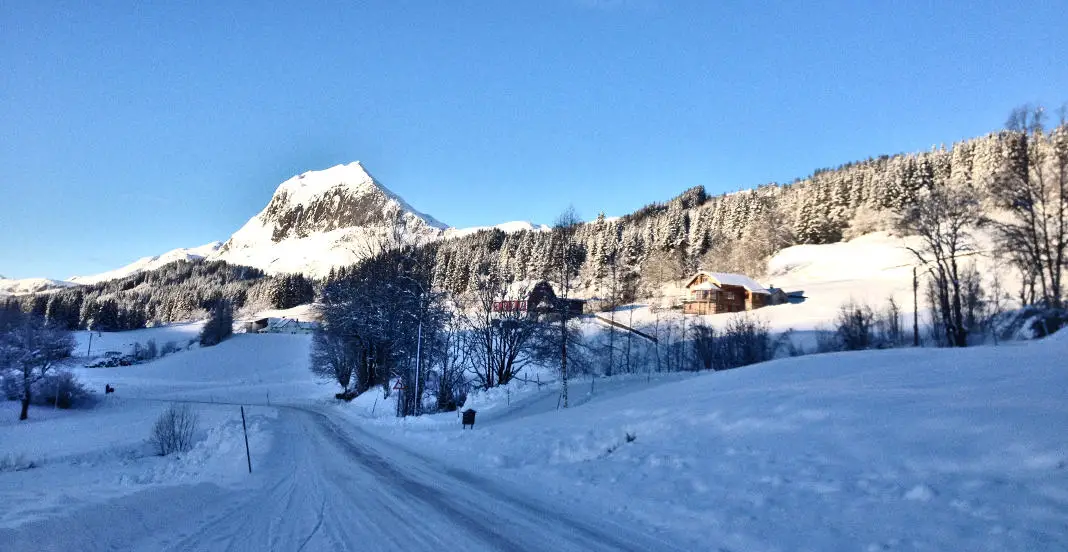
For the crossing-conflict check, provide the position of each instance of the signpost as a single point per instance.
(248, 455)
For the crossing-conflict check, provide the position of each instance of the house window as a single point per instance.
(730, 296)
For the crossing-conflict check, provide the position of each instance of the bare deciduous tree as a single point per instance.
(501, 342)
(567, 257)
(1033, 188)
(174, 430)
(944, 217)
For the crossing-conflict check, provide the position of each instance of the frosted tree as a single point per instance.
(29, 350)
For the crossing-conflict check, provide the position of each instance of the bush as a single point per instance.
(746, 340)
(9, 386)
(855, 326)
(174, 430)
(146, 352)
(71, 392)
(168, 348)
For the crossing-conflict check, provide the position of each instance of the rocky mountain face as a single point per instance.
(320, 219)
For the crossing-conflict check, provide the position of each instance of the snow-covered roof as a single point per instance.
(728, 279)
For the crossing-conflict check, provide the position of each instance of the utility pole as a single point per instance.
(915, 309)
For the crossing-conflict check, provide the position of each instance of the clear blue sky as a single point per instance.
(128, 131)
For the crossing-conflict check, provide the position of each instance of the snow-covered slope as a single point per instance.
(907, 449)
(150, 263)
(508, 227)
(31, 285)
(321, 219)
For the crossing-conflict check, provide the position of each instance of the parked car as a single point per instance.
(111, 359)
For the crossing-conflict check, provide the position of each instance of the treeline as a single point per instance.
(179, 291)
(738, 232)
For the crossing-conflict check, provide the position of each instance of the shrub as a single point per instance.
(146, 352)
(9, 386)
(168, 348)
(174, 430)
(745, 340)
(855, 326)
(62, 389)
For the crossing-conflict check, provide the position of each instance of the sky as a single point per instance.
(129, 129)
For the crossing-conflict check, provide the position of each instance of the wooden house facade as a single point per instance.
(717, 292)
(542, 300)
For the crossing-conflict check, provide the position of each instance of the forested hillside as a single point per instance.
(737, 232)
(182, 290)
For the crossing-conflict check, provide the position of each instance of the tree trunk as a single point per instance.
(563, 353)
(25, 407)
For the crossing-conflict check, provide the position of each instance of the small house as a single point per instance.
(541, 299)
(719, 292)
(776, 296)
(286, 326)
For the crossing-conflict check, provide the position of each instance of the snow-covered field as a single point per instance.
(82, 457)
(877, 450)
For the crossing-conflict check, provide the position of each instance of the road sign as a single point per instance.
(399, 386)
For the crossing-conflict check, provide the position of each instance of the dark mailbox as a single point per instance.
(469, 418)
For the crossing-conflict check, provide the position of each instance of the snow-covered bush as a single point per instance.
(9, 386)
(174, 430)
(62, 389)
(146, 352)
(12, 462)
(168, 348)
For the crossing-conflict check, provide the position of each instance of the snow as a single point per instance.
(910, 449)
(507, 227)
(903, 449)
(84, 458)
(308, 186)
(869, 269)
(182, 334)
(25, 286)
(150, 263)
(316, 253)
(724, 278)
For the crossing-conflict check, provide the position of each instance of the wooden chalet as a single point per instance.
(542, 300)
(719, 292)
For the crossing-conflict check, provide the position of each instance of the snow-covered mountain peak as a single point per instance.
(325, 218)
(308, 185)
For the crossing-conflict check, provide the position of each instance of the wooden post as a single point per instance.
(915, 309)
(248, 455)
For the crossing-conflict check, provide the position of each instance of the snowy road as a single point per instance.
(331, 487)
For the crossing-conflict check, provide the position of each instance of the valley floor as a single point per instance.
(884, 450)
